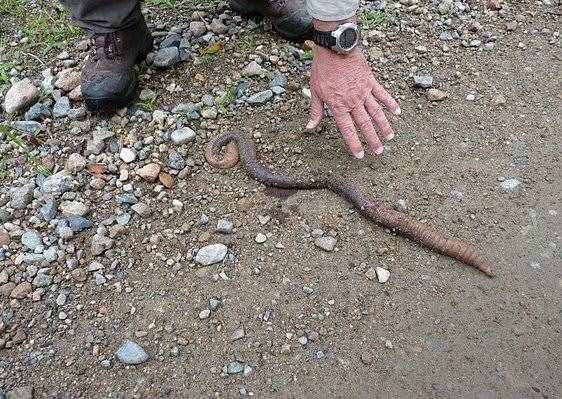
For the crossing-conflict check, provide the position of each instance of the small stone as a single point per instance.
(234, 367)
(78, 223)
(31, 239)
(470, 97)
(211, 254)
(100, 244)
(204, 314)
(382, 274)
(366, 358)
(388, 344)
(218, 27)
(176, 160)
(42, 280)
(61, 299)
(237, 334)
(510, 185)
(69, 208)
(260, 98)
(197, 28)
(166, 179)
(499, 99)
(225, 226)
(303, 340)
(327, 243)
(21, 290)
(182, 136)
(21, 95)
(279, 80)
(371, 274)
(75, 163)
(214, 303)
(79, 274)
(209, 113)
(253, 69)
(172, 40)
(261, 238)
(28, 127)
(37, 112)
(149, 172)
(127, 155)
(20, 197)
(166, 57)
(141, 209)
(401, 205)
(494, 5)
(61, 107)
(423, 81)
(511, 26)
(436, 95)
(131, 353)
(67, 79)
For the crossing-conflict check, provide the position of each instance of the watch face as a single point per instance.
(348, 38)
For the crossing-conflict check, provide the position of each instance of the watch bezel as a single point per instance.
(337, 34)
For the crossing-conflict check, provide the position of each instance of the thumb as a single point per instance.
(316, 111)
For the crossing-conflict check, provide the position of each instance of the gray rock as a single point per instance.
(234, 367)
(182, 136)
(61, 299)
(127, 199)
(77, 113)
(28, 127)
(51, 254)
(211, 254)
(327, 243)
(214, 304)
(42, 280)
(56, 184)
(218, 27)
(20, 197)
(278, 80)
(277, 90)
(61, 107)
(75, 163)
(69, 208)
(423, 81)
(197, 28)
(166, 57)
(31, 239)
(78, 223)
(188, 110)
(224, 226)
(176, 160)
(49, 210)
(260, 98)
(510, 185)
(37, 112)
(172, 40)
(100, 244)
(253, 69)
(131, 353)
(20, 96)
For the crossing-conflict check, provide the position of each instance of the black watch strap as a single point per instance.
(324, 39)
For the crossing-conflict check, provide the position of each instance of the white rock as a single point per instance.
(211, 254)
(261, 238)
(21, 95)
(382, 274)
(182, 136)
(510, 185)
(327, 243)
(127, 155)
(253, 69)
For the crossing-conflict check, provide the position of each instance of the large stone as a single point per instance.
(211, 254)
(131, 353)
(166, 57)
(20, 96)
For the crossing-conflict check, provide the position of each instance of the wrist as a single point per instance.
(327, 26)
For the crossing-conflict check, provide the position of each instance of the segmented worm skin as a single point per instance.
(240, 146)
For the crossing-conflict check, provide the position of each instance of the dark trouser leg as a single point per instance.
(104, 16)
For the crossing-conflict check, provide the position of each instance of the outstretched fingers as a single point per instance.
(384, 97)
(365, 124)
(376, 112)
(349, 133)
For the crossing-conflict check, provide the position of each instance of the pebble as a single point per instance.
(21, 290)
(510, 185)
(260, 98)
(61, 107)
(197, 28)
(127, 155)
(211, 254)
(69, 208)
(327, 243)
(436, 95)
(182, 136)
(225, 226)
(149, 172)
(78, 223)
(37, 112)
(261, 238)
(166, 57)
(67, 79)
(237, 334)
(21, 95)
(204, 314)
(131, 353)
(234, 367)
(423, 81)
(75, 163)
(253, 69)
(28, 127)
(382, 274)
(31, 239)
(20, 197)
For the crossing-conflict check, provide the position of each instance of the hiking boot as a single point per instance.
(289, 18)
(109, 79)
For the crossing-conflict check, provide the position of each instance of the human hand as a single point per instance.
(346, 85)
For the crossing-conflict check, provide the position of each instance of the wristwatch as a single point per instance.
(342, 40)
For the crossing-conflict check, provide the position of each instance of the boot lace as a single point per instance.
(110, 48)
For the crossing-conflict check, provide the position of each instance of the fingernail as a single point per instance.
(379, 150)
(310, 125)
(390, 136)
(359, 155)
(398, 111)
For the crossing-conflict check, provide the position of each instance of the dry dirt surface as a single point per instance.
(277, 315)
